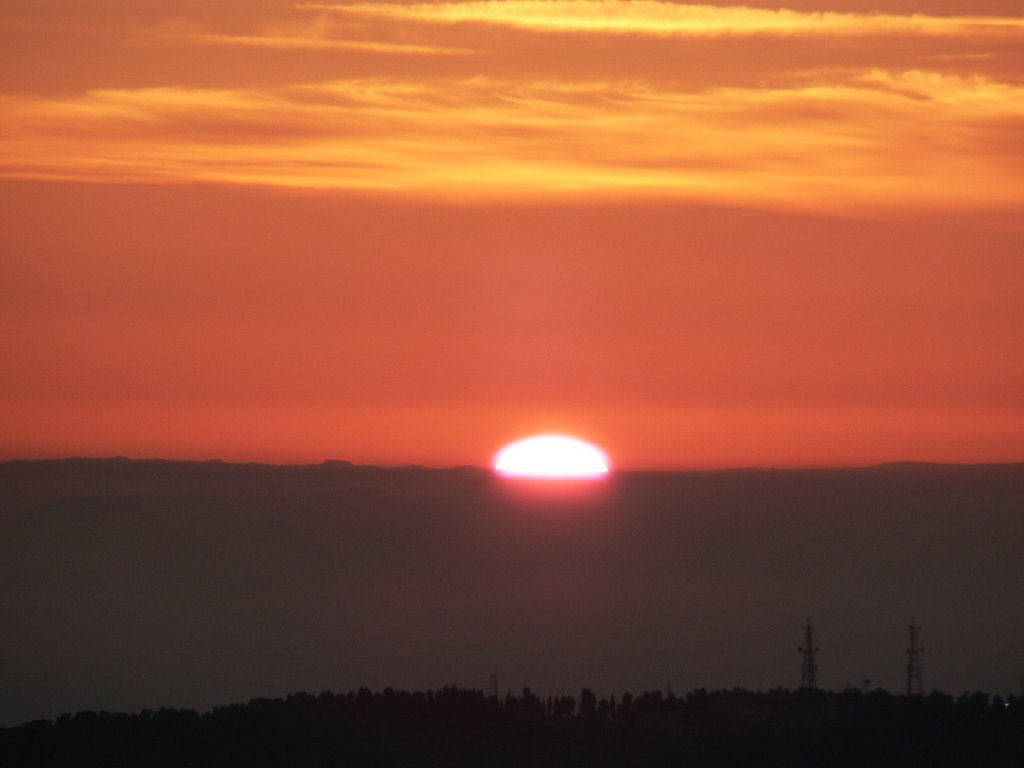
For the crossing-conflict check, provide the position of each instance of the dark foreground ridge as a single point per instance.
(458, 727)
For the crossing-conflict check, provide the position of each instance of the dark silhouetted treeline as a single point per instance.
(457, 727)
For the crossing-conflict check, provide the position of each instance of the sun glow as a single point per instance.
(551, 456)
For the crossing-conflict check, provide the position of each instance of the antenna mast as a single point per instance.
(809, 667)
(914, 668)
(492, 687)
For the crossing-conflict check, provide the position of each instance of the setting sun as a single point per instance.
(552, 456)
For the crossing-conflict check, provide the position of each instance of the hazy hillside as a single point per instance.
(130, 584)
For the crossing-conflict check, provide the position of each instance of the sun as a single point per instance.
(551, 456)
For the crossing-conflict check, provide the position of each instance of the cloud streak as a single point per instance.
(647, 17)
(299, 42)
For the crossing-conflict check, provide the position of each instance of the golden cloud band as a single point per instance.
(846, 142)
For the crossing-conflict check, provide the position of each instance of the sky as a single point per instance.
(699, 235)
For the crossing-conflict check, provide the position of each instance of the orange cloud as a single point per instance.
(878, 137)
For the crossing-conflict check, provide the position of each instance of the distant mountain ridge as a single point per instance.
(341, 464)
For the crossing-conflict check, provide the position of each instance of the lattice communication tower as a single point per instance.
(914, 668)
(809, 666)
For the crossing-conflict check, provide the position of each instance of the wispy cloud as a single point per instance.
(876, 137)
(314, 43)
(650, 17)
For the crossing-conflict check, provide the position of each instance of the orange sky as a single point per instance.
(701, 236)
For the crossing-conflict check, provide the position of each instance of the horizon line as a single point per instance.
(348, 464)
